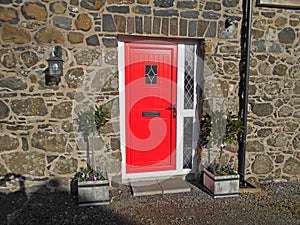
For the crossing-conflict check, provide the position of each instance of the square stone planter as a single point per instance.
(221, 186)
(93, 193)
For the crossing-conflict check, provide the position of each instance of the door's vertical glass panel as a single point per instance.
(189, 76)
(151, 74)
(188, 143)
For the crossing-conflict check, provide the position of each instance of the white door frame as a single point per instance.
(179, 120)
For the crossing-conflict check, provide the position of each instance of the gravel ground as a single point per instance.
(277, 203)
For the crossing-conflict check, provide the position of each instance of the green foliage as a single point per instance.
(101, 117)
(90, 120)
(220, 129)
(234, 126)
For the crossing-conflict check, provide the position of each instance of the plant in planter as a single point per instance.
(92, 183)
(221, 180)
(93, 187)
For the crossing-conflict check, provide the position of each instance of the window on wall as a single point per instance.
(189, 65)
(151, 74)
(189, 106)
(188, 143)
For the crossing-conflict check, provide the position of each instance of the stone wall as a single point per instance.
(38, 136)
(273, 148)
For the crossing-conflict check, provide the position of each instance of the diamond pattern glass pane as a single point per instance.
(189, 77)
(151, 74)
(188, 143)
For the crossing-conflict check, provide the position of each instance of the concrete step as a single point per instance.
(153, 187)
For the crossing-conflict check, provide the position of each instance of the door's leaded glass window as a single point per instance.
(188, 143)
(151, 74)
(189, 77)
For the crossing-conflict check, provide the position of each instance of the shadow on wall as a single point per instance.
(43, 206)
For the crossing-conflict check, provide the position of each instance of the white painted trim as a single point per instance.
(181, 113)
(121, 68)
(191, 112)
(126, 178)
(196, 122)
(180, 103)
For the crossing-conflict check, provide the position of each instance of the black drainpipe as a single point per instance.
(242, 152)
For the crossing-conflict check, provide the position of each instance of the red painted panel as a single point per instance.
(150, 125)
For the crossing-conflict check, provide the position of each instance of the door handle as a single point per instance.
(174, 108)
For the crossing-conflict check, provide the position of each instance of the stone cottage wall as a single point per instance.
(39, 139)
(38, 133)
(273, 148)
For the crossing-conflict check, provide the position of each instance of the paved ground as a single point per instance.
(277, 203)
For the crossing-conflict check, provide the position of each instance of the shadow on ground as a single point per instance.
(278, 203)
(43, 207)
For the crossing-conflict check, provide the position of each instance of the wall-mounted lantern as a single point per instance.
(55, 67)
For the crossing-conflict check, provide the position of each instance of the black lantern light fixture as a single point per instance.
(55, 67)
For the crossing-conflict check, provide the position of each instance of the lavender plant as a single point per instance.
(88, 174)
(219, 170)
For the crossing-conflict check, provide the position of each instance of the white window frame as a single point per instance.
(179, 120)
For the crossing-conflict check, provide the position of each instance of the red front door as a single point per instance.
(150, 93)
